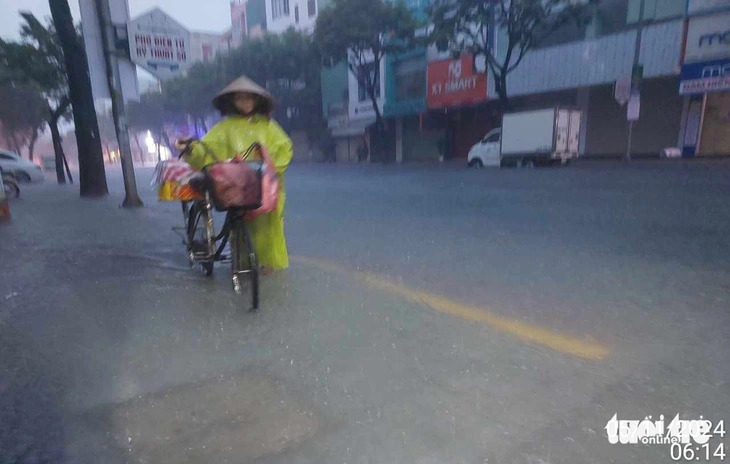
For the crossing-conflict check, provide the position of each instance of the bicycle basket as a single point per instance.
(235, 184)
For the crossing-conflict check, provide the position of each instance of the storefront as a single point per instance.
(405, 104)
(453, 92)
(705, 82)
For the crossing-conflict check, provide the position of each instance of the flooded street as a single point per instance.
(430, 315)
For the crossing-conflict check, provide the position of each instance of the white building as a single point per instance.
(204, 46)
(299, 14)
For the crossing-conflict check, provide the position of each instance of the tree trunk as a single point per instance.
(68, 171)
(31, 144)
(499, 76)
(58, 149)
(503, 98)
(376, 143)
(55, 115)
(91, 162)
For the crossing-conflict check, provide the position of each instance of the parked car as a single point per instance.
(9, 184)
(24, 170)
(530, 138)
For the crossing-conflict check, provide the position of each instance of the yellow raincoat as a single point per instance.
(233, 136)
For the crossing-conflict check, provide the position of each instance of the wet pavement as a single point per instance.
(431, 315)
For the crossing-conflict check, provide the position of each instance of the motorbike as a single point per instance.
(10, 184)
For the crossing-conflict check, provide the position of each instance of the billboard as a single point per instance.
(703, 6)
(455, 83)
(710, 76)
(708, 38)
(159, 44)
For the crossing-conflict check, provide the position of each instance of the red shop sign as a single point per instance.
(454, 83)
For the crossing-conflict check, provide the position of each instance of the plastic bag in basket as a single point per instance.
(269, 187)
(172, 179)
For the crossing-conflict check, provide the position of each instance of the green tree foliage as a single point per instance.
(362, 32)
(37, 60)
(469, 25)
(151, 113)
(23, 114)
(286, 64)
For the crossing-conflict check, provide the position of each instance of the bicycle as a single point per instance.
(205, 247)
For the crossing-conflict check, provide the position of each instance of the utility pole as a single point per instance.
(636, 75)
(92, 178)
(131, 198)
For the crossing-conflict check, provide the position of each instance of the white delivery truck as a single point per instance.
(530, 138)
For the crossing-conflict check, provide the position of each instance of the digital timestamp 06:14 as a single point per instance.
(694, 452)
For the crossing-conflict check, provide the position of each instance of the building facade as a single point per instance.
(204, 46)
(705, 79)
(298, 14)
(578, 67)
(684, 63)
(239, 21)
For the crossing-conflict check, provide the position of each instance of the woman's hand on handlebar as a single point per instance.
(183, 144)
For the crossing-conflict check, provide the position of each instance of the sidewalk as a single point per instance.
(108, 340)
(114, 351)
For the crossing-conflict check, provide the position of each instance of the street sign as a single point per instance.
(634, 107)
(159, 44)
(95, 55)
(622, 89)
(454, 83)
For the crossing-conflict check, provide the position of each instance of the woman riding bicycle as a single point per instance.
(247, 109)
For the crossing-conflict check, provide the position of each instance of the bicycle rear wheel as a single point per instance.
(201, 237)
(244, 265)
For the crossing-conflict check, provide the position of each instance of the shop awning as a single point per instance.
(353, 128)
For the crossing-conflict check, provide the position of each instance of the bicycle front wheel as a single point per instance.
(244, 265)
(201, 237)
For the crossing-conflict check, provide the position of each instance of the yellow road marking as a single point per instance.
(562, 343)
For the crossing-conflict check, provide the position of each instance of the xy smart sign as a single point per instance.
(455, 83)
(159, 44)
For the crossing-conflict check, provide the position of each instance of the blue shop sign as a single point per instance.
(709, 76)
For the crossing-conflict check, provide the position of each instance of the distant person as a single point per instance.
(330, 147)
(363, 152)
(247, 108)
